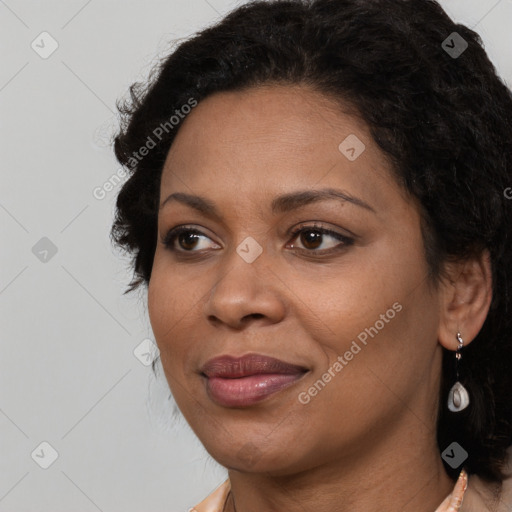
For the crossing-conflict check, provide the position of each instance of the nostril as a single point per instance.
(253, 315)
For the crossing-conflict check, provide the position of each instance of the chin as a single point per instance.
(251, 457)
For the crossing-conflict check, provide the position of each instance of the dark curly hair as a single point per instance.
(444, 120)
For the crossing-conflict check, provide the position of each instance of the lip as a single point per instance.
(244, 381)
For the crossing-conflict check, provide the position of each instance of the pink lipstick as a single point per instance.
(244, 381)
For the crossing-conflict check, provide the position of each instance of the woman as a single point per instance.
(318, 209)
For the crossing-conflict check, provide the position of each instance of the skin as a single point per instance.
(366, 441)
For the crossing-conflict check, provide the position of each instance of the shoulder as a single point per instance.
(215, 501)
(482, 496)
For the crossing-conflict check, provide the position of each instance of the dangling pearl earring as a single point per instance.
(458, 397)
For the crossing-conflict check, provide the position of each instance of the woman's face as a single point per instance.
(351, 310)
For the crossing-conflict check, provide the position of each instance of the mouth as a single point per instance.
(244, 381)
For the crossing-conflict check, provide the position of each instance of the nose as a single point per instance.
(245, 292)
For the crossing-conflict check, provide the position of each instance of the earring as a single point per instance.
(458, 397)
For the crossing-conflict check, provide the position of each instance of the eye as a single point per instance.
(187, 239)
(312, 237)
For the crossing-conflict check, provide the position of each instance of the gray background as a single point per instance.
(68, 372)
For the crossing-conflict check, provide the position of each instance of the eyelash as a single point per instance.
(345, 241)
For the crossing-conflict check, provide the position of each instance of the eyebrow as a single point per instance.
(280, 204)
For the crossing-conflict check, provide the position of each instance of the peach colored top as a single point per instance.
(477, 497)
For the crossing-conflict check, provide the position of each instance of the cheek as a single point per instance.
(370, 368)
(165, 309)
(337, 305)
(167, 296)
(161, 307)
(378, 314)
(175, 301)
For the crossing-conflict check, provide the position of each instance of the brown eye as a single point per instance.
(188, 240)
(313, 237)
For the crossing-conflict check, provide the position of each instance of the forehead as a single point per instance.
(274, 139)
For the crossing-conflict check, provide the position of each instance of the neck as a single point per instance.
(406, 473)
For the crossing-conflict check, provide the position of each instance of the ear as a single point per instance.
(465, 298)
